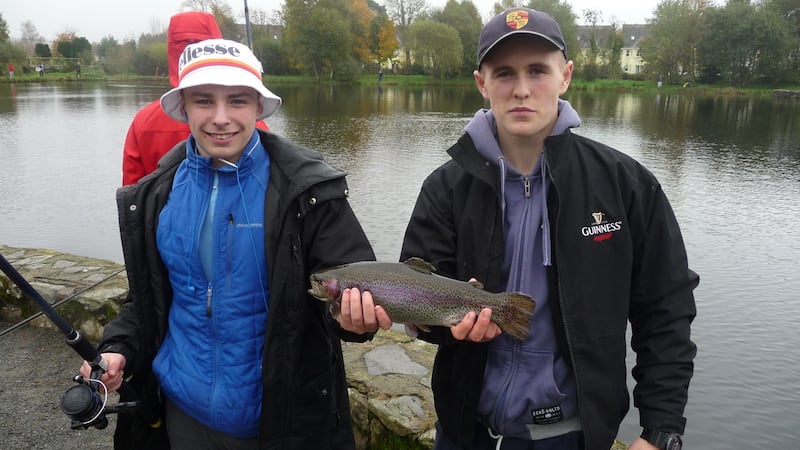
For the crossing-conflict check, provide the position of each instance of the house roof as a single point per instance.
(602, 35)
(633, 34)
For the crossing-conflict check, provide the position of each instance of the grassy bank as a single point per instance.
(605, 85)
(389, 79)
(687, 89)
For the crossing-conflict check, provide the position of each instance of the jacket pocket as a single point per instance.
(517, 384)
(313, 405)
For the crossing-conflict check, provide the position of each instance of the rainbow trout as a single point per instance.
(411, 293)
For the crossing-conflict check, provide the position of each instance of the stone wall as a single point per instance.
(95, 288)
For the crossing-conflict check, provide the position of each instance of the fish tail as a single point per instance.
(517, 320)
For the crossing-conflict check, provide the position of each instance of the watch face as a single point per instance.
(673, 443)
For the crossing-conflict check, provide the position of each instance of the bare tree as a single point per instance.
(403, 13)
(592, 17)
(202, 5)
(224, 14)
(4, 32)
(30, 37)
(503, 5)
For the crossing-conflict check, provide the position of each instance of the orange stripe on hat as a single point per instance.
(209, 62)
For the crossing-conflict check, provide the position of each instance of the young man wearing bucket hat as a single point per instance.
(525, 205)
(218, 330)
(152, 133)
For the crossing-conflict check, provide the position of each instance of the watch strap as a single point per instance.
(661, 439)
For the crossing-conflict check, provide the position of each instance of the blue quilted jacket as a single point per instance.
(211, 357)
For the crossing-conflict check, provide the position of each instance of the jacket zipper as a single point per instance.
(229, 253)
(214, 192)
(208, 300)
(554, 238)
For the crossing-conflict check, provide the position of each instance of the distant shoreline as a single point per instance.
(600, 85)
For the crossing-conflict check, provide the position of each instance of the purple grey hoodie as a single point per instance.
(528, 391)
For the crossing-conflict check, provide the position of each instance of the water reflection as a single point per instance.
(730, 167)
(61, 152)
(387, 142)
(726, 121)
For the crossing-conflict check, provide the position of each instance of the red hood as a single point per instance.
(187, 28)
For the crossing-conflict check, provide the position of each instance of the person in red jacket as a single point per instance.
(152, 133)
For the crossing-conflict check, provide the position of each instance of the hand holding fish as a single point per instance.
(360, 315)
(476, 327)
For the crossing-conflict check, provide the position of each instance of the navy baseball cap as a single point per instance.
(519, 21)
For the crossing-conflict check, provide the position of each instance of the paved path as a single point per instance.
(36, 367)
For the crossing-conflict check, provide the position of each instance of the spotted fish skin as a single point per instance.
(411, 293)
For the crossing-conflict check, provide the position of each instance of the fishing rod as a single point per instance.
(83, 403)
(57, 304)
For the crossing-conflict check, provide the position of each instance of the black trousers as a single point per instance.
(185, 433)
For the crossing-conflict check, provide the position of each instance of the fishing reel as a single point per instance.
(84, 405)
(87, 407)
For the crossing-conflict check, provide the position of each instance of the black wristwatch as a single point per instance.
(663, 440)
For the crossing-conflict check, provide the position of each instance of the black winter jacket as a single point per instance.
(618, 256)
(309, 226)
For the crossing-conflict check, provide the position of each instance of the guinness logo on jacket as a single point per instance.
(599, 228)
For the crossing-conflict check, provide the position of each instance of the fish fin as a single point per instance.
(420, 265)
(476, 284)
(411, 330)
(336, 309)
(516, 319)
(424, 328)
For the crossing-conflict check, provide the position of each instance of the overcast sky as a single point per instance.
(95, 19)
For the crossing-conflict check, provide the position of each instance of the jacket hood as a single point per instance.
(483, 129)
(187, 28)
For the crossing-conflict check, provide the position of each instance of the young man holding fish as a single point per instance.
(526, 205)
(218, 332)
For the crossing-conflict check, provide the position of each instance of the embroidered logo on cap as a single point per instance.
(517, 19)
(195, 57)
(601, 229)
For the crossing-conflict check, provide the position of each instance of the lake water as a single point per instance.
(730, 166)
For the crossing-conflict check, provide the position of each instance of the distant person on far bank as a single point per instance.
(525, 205)
(78, 69)
(10, 70)
(152, 133)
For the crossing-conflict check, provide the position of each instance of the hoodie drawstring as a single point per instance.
(501, 162)
(498, 437)
(546, 256)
